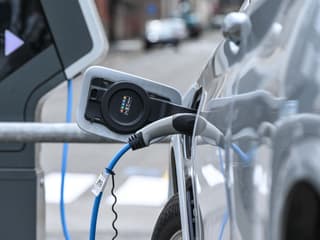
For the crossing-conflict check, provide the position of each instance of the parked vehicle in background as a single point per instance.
(164, 31)
(261, 89)
(192, 21)
(193, 24)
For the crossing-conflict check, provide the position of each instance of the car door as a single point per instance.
(244, 95)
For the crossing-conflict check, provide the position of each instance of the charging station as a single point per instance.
(116, 104)
(42, 43)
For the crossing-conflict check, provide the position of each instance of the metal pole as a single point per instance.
(46, 132)
(31, 132)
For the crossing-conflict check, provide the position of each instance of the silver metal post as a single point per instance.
(46, 132)
(31, 132)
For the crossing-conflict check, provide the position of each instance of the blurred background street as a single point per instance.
(141, 177)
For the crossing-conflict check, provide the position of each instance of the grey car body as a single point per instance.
(263, 94)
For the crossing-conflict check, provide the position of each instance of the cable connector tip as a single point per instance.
(136, 141)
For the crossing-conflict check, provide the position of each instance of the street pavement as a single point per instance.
(141, 176)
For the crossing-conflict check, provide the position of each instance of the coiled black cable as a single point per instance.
(99, 191)
(113, 207)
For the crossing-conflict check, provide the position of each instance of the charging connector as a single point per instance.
(182, 123)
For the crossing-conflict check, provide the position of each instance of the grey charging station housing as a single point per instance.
(42, 43)
(115, 104)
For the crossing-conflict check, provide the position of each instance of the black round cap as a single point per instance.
(125, 107)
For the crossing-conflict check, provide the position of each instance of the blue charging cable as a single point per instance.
(245, 158)
(226, 214)
(65, 151)
(242, 155)
(223, 224)
(99, 187)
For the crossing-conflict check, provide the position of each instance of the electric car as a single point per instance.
(261, 90)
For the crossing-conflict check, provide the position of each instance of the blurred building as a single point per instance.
(207, 9)
(124, 19)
